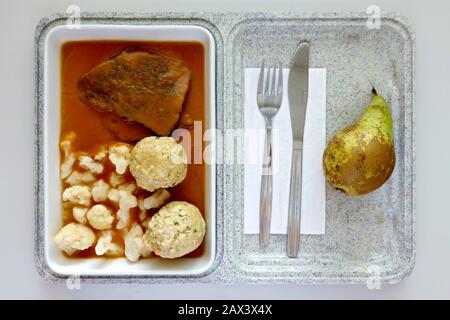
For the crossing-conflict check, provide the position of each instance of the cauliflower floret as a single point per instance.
(105, 246)
(119, 155)
(80, 178)
(142, 212)
(67, 166)
(73, 237)
(128, 187)
(66, 143)
(158, 162)
(100, 217)
(145, 251)
(114, 195)
(115, 179)
(101, 154)
(69, 157)
(157, 199)
(78, 195)
(126, 202)
(100, 191)
(79, 214)
(90, 164)
(123, 218)
(134, 243)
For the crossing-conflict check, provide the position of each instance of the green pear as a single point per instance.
(361, 157)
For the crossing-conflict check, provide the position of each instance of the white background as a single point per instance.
(430, 279)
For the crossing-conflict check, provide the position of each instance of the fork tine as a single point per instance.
(274, 78)
(261, 79)
(280, 80)
(267, 81)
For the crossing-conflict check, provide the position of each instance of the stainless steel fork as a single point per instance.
(269, 95)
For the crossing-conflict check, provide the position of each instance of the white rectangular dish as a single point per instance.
(59, 264)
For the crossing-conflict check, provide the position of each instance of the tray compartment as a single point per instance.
(50, 34)
(365, 236)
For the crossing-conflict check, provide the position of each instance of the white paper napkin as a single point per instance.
(313, 186)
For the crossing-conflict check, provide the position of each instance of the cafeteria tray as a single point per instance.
(368, 238)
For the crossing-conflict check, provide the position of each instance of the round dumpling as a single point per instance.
(158, 162)
(175, 230)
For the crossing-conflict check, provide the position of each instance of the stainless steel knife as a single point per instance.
(298, 98)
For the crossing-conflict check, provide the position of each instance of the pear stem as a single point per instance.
(374, 91)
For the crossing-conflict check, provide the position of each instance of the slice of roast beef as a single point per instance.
(141, 86)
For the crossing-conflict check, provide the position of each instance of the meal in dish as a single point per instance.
(128, 188)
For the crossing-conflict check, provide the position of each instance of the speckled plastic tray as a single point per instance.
(369, 238)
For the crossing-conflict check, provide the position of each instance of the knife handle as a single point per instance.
(265, 202)
(295, 201)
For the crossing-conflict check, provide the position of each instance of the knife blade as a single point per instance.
(298, 99)
(298, 90)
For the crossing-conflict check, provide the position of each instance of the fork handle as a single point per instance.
(265, 203)
(295, 199)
